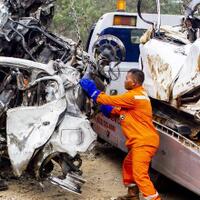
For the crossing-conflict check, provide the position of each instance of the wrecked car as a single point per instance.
(43, 110)
(170, 59)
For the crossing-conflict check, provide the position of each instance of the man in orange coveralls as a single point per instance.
(135, 113)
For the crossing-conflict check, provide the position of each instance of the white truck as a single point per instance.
(170, 63)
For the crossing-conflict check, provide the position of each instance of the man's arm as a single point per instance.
(125, 100)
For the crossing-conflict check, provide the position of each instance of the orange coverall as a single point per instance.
(142, 139)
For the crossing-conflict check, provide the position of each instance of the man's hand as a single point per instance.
(90, 88)
(106, 110)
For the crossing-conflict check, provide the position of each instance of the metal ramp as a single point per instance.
(177, 136)
(178, 158)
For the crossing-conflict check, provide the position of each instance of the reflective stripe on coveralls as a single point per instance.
(136, 167)
(142, 140)
(135, 116)
(153, 197)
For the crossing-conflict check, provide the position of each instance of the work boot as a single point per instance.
(3, 185)
(133, 194)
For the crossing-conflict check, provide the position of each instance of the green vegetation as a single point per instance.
(88, 12)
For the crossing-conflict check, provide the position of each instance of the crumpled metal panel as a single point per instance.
(192, 109)
(44, 102)
(28, 128)
(74, 135)
(170, 70)
(27, 64)
(162, 62)
(189, 76)
(71, 77)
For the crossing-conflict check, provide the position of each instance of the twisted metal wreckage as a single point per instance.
(41, 104)
(170, 59)
(172, 78)
(42, 107)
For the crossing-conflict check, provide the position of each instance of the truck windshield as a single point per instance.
(130, 38)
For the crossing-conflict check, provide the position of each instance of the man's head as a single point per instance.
(134, 78)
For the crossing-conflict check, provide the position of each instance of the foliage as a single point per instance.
(89, 11)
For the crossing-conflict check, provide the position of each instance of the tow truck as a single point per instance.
(116, 37)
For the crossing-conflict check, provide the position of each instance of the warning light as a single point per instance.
(121, 20)
(121, 5)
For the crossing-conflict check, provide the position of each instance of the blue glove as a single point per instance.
(90, 88)
(106, 110)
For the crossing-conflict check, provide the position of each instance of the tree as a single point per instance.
(89, 11)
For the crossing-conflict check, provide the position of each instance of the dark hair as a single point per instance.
(138, 74)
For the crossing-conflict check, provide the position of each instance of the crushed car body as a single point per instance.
(43, 110)
(170, 58)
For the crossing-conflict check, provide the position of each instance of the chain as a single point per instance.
(77, 28)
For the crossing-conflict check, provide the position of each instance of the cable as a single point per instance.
(139, 12)
(23, 42)
(46, 34)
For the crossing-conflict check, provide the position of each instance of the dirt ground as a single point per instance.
(102, 170)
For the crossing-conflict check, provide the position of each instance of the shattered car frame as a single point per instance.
(42, 107)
